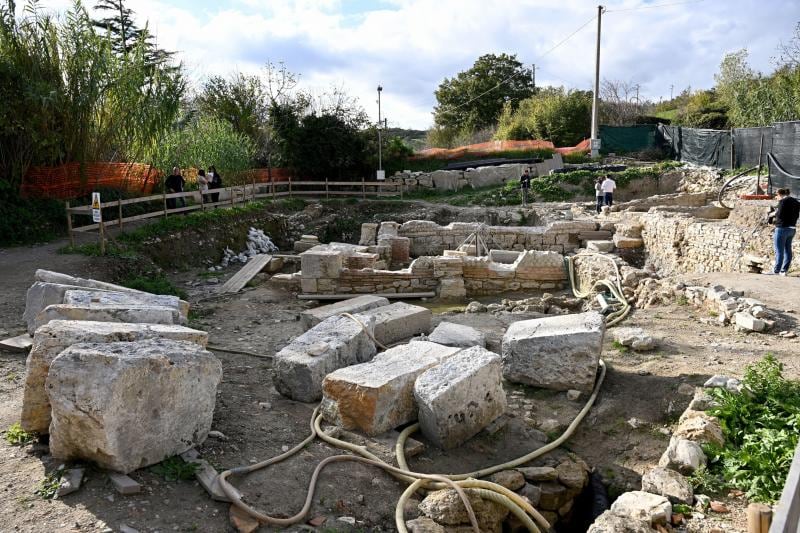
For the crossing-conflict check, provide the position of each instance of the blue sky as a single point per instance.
(410, 46)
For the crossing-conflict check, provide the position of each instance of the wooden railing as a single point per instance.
(233, 196)
(787, 511)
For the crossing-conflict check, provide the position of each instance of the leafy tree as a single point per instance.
(554, 114)
(474, 98)
(704, 109)
(242, 101)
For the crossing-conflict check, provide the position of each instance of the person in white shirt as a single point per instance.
(598, 192)
(608, 187)
(202, 182)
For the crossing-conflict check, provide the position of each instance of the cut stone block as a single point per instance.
(506, 257)
(398, 321)
(379, 396)
(748, 322)
(312, 317)
(39, 296)
(600, 246)
(137, 314)
(321, 262)
(58, 335)
(97, 297)
(334, 343)
(125, 485)
(127, 405)
(460, 397)
(627, 242)
(450, 334)
(369, 234)
(559, 352)
(48, 276)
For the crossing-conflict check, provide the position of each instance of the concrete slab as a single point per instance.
(137, 314)
(334, 343)
(460, 397)
(98, 297)
(559, 352)
(19, 344)
(450, 334)
(379, 396)
(398, 321)
(58, 335)
(312, 317)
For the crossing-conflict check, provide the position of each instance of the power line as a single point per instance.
(654, 6)
(567, 38)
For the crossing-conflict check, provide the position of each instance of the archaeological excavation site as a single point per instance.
(420, 365)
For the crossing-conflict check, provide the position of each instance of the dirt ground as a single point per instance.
(259, 423)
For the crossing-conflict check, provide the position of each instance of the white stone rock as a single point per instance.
(451, 334)
(398, 321)
(312, 317)
(127, 405)
(715, 381)
(321, 261)
(378, 396)
(668, 483)
(137, 314)
(460, 397)
(608, 522)
(559, 352)
(334, 343)
(636, 338)
(58, 335)
(600, 246)
(748, 322)
(683, 456)
(639, 505)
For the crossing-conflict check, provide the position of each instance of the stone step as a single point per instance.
(312, 317)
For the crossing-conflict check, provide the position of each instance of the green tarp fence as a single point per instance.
(626, 139)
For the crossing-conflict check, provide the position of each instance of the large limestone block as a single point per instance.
(445, 180)
(40, 295)
(334, 343)
(312, 317)
(369, 234)
(669, 484)
(48, 276)
(377, 396)
(608, 522)
(559, 352)
(450, 334)
(638, 505)
(398, 321)
(89, 297)
(321, 262)
(138, 314)
(58, 335)
(127, 405)
(460, 397)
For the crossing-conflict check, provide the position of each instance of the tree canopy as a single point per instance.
(474, 98)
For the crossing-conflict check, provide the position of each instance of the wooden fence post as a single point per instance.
(759, 518)
(326, 188)
(164, 197)
(69, 224)
(119, 211)
(290, 186)
(102, 238)
(272, 187)
(232, 189)
(363, 189)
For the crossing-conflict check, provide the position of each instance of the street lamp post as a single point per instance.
(380, 162)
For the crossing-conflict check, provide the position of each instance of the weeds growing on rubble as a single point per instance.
(175, 469)
(18, 436)
(760, 426)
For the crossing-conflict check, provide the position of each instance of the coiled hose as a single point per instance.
(615, 286)
(533, 520)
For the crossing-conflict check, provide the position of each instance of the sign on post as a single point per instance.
(381, 175)
(97, 215)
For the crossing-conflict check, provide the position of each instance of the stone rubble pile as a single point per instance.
(112, 376)
(545, 304)
(258, 242)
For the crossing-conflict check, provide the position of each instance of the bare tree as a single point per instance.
(620, 103)
(790, 52)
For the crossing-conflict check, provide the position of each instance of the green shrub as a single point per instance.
(155, 285)
(29, 220)
(18, 436)
(175, 469)
(760, 426)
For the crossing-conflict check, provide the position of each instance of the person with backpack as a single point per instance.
(785, 221)
(214, 182)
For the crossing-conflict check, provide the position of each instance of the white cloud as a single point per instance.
(409, 46)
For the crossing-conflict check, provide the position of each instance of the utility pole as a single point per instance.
(596, 97)
(533, 76)
(637, 94)
(380, 163)
(670, 91)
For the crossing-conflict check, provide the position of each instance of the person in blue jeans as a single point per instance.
(786, 216)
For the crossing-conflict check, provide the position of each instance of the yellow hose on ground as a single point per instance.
(616, 288)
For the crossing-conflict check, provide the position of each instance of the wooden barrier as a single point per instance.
(787, 511)
(236, 195)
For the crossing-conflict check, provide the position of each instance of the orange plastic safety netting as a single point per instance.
(73, 179)
(490, 147)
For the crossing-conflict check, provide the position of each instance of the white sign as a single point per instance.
(97, 215)
(381, 175)
(595, 144)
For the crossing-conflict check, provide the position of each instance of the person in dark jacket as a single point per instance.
(525, 185)
(214, 182)
(785, 220)
(174, 183)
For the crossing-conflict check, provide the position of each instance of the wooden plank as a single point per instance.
(787, 511)
(18, 344)
(393, 295)
(255, 265)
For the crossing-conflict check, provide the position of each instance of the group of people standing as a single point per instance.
(604, 189)
(175, 182)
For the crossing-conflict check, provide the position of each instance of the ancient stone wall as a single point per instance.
(429, 238)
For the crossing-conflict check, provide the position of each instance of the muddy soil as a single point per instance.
(259, 423)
